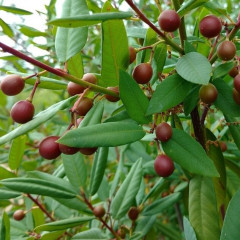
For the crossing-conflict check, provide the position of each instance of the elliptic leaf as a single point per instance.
(7, 194)
(6, 28)
(222, 69)
(190, 5)
(92, 234)
(188, 230)
(195, 68)
(15, 10)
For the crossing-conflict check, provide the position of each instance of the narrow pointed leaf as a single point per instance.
(98, 169)
(103, 135)
(63, 224)
(133, 98)
(37, 186)
(6, 28)
(8, 194)
(127, 192)
(169, 93)
(188, 230)
(231, 224)
(92, 234)
(194, 67)
(40, 118)
(192, 158)
(115, 52)
(5, 227)
(88, 20)
(222, 69)
(190, 5)
(70, 41)
(15, 10)
(203, 214)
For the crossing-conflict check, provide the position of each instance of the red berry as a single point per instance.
(12, 85)
(163, 165)
(49, 148)
(236, 96)
(132, 54)
(87, 151)
(133, 213)
(208, 93)
(233, 72)
(226, 50)
(223, 146)
(18, 215)
(210, 26)
(112, 98)
(169, 21)
(142, 73)
(67, 150)
(163, 132)
(99, 211)
(22, 111)
(236, 82)
(84, 106)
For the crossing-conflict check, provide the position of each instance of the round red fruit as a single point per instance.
(169, 21)
(19, 215)
(142, 73)
(163, 132)
(133, 213)
(99, 211)
(68, 150)
(84, 106)
(233, 72)
(236, 96)
(236, 82)
(87, 151)
(163, 165)
(208, 93)
(22, 111)
(132, 54)
(226, 50)
(112, 98)
(49, 148)
(223, 146)
(12, 85)
(210, 26)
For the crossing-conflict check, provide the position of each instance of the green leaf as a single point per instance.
(194, 67)
(229, 108)
(4, 173)
(70, 41)
(190, 5)
(38, 216)
(32, 32)
(188, 230)
(8, 194)
(169, 93)
(5, 227)
(92, 234)
(231, 224)
(88, 20)
(192, 158)
(168, 231)
(127, 192)
(222, 69)
(15, 10)
(75, 170)
(16, 152)
(40, 118)
(161, 204)
(63, 224)
(203, 214)
(75, 65)
(215, 8)
(52, 235)
(98, 169)
(191, 100)
(160, 54)
(115, 52)
(6, 28)
(103, 135)
(37, 186)
(133, 98)
(136, 32)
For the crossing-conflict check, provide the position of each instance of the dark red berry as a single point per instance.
(226, 50)
(12, 85)
(133, 213)
(169, 21)
(18, 215)
(87, 151)
(67, 150)
(233, 72)
(49, 148)
(142, 73)
(223, 146)
(236, 82)
(210, 26)
(208, 93)
(84, 106)
(163, 132)
(22, 111)
(112, 98)
(236, 96)
(99, 211)
(74, 88)
(132, 54)
(163, 165)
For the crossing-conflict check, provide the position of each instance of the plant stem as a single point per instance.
(40, 206)
(151, 25)
(204, 115)
(30, 98)
(56, 71)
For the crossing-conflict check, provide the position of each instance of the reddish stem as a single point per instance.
(34, 89)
